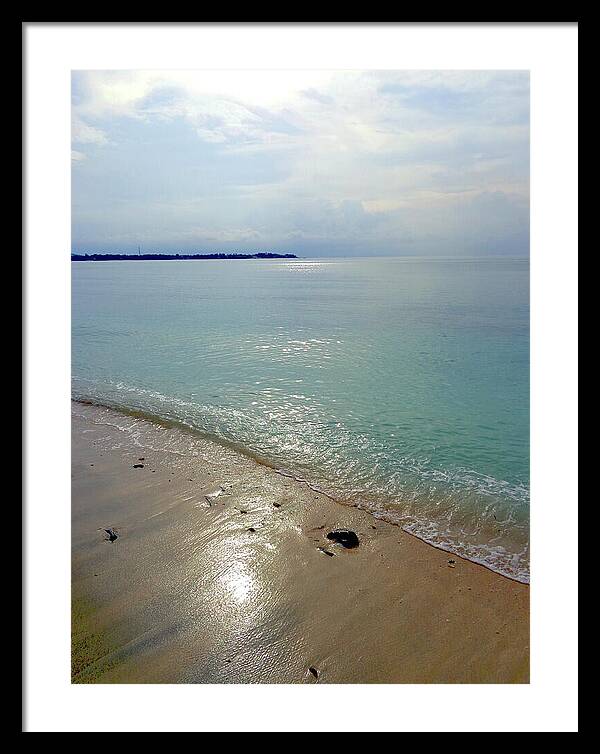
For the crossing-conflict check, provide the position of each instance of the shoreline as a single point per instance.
(236, 448)
(219, 574)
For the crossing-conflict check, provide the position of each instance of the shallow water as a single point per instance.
(401, 385)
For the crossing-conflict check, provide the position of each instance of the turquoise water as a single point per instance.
(400, 385)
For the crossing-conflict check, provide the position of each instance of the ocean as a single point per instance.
(400, 385)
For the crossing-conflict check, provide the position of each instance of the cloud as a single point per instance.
(324, 99)
(437, 160)
(83, 133)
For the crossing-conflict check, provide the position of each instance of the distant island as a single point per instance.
(134, 257)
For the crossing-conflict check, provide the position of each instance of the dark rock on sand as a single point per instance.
(276, 505)
(346, 537)
(138, 466)
(314, 672)
(111, 534)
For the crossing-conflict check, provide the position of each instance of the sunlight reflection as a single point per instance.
(304, 266)
(239, 582)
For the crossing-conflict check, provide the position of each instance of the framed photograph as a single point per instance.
(290, 311)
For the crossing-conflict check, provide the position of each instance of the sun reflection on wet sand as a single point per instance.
(239, 582)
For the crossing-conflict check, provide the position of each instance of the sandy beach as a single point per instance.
(221, 572)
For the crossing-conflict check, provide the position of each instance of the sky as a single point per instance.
(317, 163)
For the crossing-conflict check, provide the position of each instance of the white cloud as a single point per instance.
(83, 133)
(305, 154)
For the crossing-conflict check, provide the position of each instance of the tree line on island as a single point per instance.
(133, 257)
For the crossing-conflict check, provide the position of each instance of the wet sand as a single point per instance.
(221, 573)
